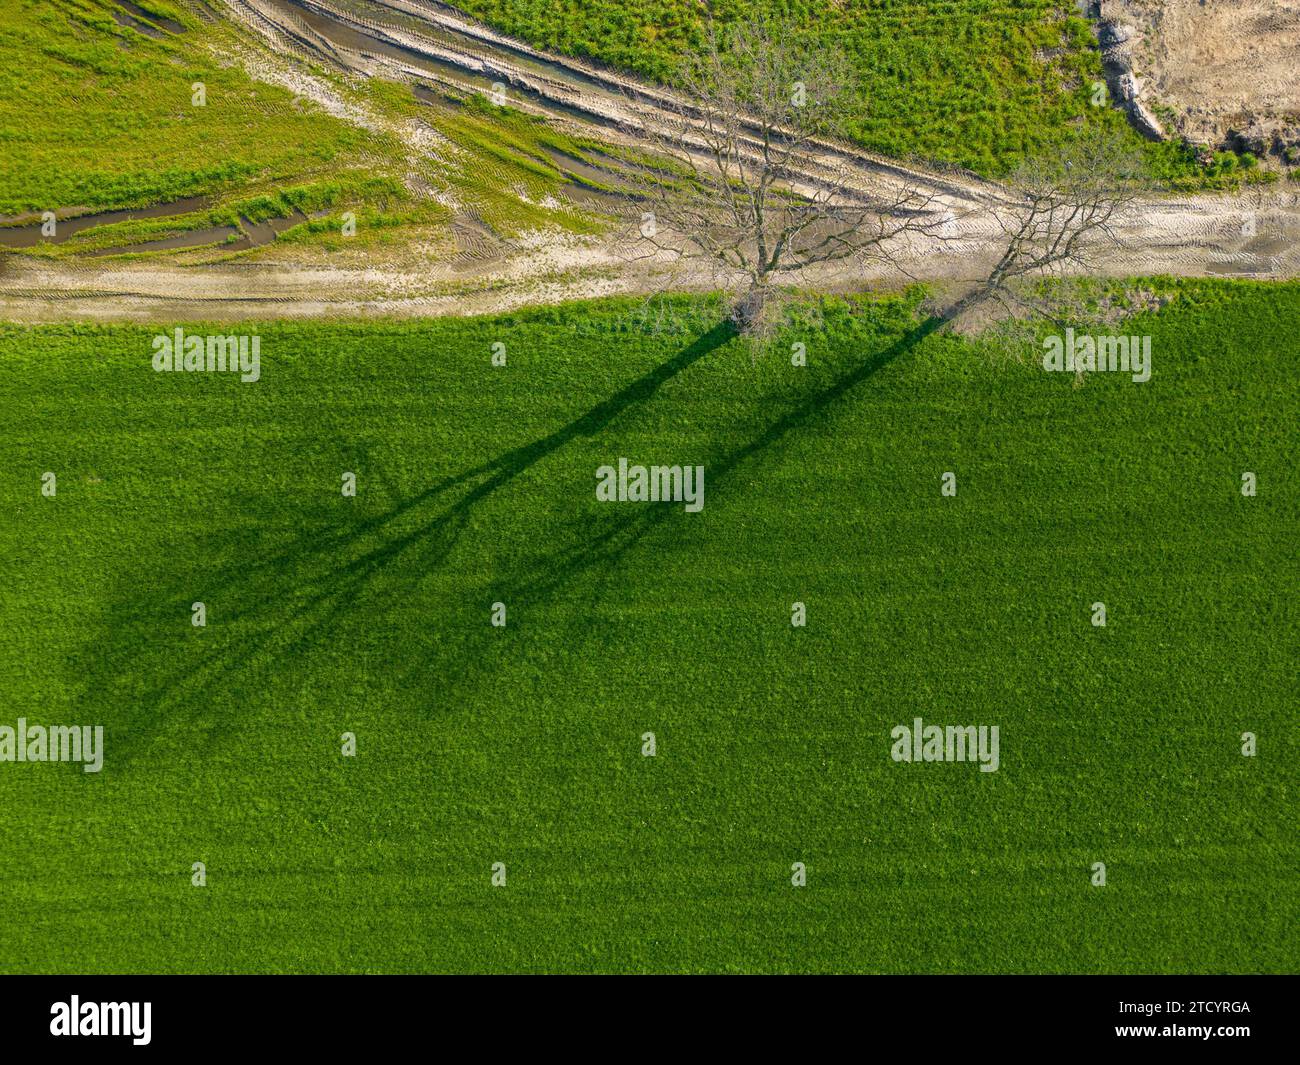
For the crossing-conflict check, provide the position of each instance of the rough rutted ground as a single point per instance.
(1223, 66)
(1256, 235)
(1195, 236)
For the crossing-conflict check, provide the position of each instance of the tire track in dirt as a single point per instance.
(1257, 235)
(566, 90)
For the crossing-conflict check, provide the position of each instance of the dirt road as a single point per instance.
(1252, 236)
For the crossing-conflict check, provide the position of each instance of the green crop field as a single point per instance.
(67, 67)
(520, 746)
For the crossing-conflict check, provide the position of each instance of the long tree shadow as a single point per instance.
(348, 598)
(607, 548)
(274, 593)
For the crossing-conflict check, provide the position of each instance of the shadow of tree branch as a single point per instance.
(277, 599)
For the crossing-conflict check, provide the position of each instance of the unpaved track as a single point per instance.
(1253, 236)
(431, 44)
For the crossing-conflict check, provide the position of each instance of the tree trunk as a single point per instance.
(747, 314)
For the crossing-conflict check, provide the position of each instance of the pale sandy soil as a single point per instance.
(1194, 236)
(1221, 65)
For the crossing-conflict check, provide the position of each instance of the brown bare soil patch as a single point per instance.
(1228, 69)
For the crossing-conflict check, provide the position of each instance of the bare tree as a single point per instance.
(1060, 213)
(747, 176)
